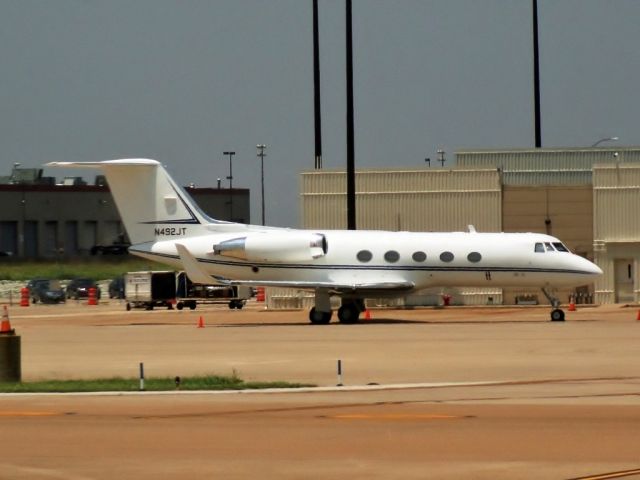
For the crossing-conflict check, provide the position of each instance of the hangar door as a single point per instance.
(624, 280)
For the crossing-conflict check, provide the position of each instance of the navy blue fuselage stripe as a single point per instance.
(302, 266)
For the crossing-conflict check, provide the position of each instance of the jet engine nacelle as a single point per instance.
(274, 247)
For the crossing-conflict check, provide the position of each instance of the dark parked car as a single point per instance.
(116, 287)
(79, 288)
(45, 291)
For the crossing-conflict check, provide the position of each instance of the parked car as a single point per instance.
(79, 288)
(116, 287)
(45, 291)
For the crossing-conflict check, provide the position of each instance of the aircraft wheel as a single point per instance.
(557, 315)
(348, 313)
(319, 318)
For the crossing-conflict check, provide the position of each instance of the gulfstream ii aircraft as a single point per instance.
(165, 225)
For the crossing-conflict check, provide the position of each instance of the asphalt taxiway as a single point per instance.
(434, 393)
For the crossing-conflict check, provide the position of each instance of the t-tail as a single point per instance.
(152, 206)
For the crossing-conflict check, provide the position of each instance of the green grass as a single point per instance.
(210, 382)
(98, 268)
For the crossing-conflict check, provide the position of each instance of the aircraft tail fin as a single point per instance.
(150, 203)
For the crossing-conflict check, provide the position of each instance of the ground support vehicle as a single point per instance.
(149, 289)
(189, 294)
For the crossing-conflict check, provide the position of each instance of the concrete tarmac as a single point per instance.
(496, 393)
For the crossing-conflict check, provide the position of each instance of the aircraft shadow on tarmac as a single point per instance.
(381, 321)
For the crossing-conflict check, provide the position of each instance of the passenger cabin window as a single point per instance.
(446, 257)
(392, 256)
(549, 247)
(560, 247)
(539, 248)
(474, 257)
(419, 256)
(364, 256)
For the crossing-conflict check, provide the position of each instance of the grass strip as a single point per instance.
(98, 268)
(209, 382)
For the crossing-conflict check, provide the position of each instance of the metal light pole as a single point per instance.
(261, 154)
(607, 139)
(230, 178)
(536, 77)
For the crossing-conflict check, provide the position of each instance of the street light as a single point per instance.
(230, 178)
(607, 139)
(261, 154)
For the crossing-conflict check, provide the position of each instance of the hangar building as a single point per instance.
(587, 197)
(42, 219)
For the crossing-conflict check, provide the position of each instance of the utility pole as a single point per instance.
(261, 154)
(230, 178)
(351, 174)
(536, 77)
(316, 88)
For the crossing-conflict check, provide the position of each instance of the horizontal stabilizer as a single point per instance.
(125, 161)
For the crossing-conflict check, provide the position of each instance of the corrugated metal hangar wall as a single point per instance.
(413, 200)
(556, 191)
(616, 190)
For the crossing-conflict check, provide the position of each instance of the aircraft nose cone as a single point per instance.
(590, 267)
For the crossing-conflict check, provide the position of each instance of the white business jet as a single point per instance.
(165, 225)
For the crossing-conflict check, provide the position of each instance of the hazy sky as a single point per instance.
(182, 81)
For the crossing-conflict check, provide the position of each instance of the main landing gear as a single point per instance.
(349, 312)
(557, 314)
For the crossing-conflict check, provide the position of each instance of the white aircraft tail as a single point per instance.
(150, 203)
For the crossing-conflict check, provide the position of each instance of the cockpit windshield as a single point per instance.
(560, 247)
(550, 247)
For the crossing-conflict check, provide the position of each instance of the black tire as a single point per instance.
(179, 305)
(319, 318)
(557, 315)
(192, 305)
(348, 313)
(128, 307)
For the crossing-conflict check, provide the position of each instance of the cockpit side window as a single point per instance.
(549, 247)
(539, 248)
(560, 247)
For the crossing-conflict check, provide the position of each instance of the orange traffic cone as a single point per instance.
(5, 326)
(201, 322)
(367, 314)
(572, 306)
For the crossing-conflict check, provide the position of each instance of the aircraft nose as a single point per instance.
(590, 267)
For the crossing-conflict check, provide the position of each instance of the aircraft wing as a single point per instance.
(368, 287)
(198, 275)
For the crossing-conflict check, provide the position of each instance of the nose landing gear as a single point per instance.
(557, 314)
